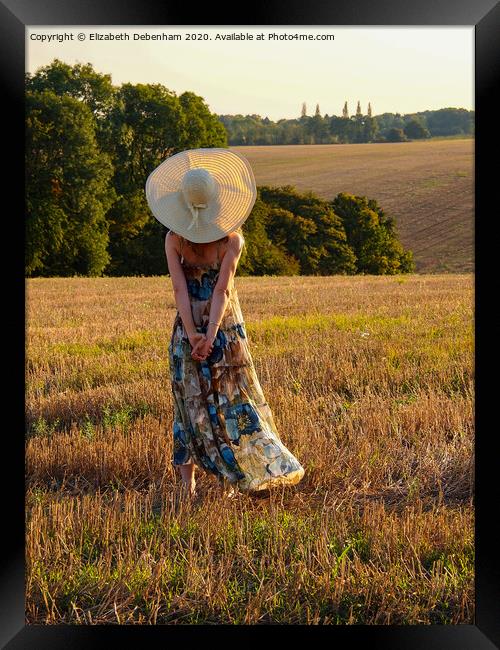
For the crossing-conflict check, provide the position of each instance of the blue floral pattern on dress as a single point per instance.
(202, 289)
(229, 457)
(181, 449)
(241, 419)
(241, 330)
(178, 361)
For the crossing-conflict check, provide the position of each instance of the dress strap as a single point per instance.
(182, 256)
(218, 244)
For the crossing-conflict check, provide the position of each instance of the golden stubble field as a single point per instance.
(427, 186)
(371, 384)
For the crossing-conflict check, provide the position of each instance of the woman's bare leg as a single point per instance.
(187, 475)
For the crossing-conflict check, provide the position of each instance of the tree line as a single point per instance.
(298, 233)
(345, 128)
(90, 146)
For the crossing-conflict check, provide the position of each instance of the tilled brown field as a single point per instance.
(427, 186)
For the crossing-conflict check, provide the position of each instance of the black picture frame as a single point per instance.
(484, 15)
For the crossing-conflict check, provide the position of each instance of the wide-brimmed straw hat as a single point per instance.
(202, 194)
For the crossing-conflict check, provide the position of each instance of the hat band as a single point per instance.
(194, 211)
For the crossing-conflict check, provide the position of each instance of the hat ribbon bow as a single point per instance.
(194, 211)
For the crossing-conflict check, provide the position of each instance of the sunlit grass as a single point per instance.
(370, 381)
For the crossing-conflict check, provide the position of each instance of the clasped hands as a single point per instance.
(201, 346)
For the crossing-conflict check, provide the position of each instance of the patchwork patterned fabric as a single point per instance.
(222, 421)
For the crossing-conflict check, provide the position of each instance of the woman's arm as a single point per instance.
(220, 296)
(179, 285)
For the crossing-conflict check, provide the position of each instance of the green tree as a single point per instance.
(372, 236)
(382, 254)
(68, 189)
(202, 128)
(150, 123)
(309, 229)
(416, 130)
(318, 128)
(358, 126)
(370, 129)
(84, 83)
(449, 121)
(395, 135)
(261, 255)
(341, 129)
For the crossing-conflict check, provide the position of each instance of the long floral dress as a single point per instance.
(222, 421)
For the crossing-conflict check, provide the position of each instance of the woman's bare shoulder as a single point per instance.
(235, 241)
(173, 238)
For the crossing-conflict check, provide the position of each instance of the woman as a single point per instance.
(222, 422)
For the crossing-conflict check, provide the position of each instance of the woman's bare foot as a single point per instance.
(188, 484)
(188, 488)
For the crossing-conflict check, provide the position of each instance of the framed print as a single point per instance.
(252, 314)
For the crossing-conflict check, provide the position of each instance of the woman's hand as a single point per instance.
(202, 349)
(195, 338)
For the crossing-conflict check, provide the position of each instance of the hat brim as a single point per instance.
(226, 211)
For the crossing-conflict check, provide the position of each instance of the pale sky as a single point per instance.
(398, 69)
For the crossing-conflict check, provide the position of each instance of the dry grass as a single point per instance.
(427, 186)
(371, 384)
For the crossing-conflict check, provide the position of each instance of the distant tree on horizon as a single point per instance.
(416, 130)
(396, 135)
